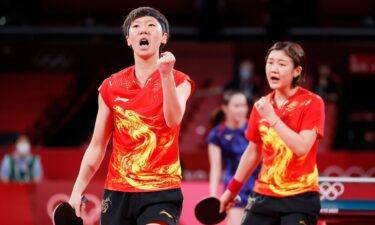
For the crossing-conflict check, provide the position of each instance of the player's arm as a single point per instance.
(299, 142)
(312, 128)
(174, 98)
(94, 153)
(214, 156)
(248, 163)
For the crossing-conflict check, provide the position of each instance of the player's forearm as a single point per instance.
(215, 160)
(214, 181)
(299, 145)
(248, 163)
(172, 108)
(90, 164)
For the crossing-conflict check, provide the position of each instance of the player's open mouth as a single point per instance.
(274, 78)
(143, 43)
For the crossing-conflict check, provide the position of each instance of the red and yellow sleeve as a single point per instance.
(104, 91)
(181, 77)
(314, 116)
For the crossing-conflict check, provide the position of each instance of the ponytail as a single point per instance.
(218, 116)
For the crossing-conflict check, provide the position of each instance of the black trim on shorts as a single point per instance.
(262, 209)
(139, 208)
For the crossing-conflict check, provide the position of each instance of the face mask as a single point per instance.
(246, 74)
(23, 148)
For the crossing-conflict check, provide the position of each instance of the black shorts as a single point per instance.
(302, 209)
(139, 208)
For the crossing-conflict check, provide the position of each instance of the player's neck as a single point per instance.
(283, 94)
(143, 68)
(235, 124)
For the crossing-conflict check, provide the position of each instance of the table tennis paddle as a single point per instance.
(64, 214)
(207, 211)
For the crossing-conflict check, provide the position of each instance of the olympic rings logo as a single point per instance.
(90, 217)
(331, 191)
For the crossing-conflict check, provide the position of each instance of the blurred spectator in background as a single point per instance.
(328, 84)
(247, 81)
(21, 166)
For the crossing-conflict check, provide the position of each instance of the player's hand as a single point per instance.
(227, 201)
(76, 202)
(166, 63)
(265, 109)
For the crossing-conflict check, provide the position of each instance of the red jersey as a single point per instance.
(145, 154)
(283, 173)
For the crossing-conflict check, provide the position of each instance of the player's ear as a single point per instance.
(127, 40)
(297, 71)
(164, 38)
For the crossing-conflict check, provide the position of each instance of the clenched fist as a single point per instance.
(266, 110)
(166, 63)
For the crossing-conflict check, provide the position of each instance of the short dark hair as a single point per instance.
(145, 11)
(294, 51)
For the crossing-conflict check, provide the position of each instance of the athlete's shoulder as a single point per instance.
(181, 77)
(122, 73)
(310, 94)
(120, 78)
(178, 73)
(310, 97)
(215, 130)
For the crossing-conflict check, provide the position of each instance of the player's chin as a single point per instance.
(144, 54)
(273, 86)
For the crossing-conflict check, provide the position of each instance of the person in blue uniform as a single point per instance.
(226, 143)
